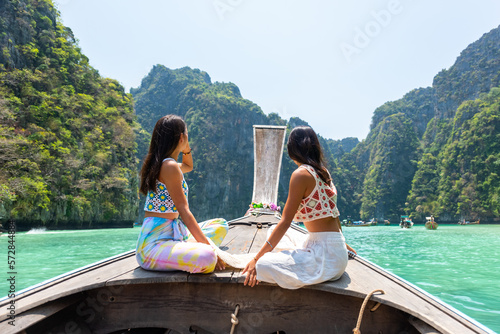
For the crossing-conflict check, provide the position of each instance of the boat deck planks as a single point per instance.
(240, 242)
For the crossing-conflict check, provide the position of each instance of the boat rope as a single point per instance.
(362, 310)
(234, 319)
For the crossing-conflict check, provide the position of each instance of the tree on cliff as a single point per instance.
(67, 142)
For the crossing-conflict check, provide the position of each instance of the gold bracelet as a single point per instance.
(187, 152)
(255, 259)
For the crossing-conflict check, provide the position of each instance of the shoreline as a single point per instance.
(25, 226)
(62, 226)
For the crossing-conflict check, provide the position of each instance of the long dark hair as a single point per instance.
(164, 140)
(304, 147)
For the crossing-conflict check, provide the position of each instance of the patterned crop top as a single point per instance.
(321, 203)
(161, 201)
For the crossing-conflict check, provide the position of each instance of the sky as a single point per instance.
(329, 62)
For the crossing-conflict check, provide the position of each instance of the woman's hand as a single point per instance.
(187, 150)
(349, 248)
(251, 278)
(220, 265)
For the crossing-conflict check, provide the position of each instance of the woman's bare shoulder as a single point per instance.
(301, 182)
(301, 174)
(170, 167)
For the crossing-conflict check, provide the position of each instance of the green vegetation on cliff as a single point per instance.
(392, 162)
(70, 141)
(220, 124)
(463, 180)
(471, 163)
(67, 142)
(439, 166)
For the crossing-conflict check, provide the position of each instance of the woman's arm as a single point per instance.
(349, 248)
(187, 160)
(296, 191)
(171, 176)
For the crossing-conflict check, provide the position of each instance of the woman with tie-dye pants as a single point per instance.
(166, 242)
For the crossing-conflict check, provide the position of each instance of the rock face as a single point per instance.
(220, 124)
(70, 144)
(18, 44)
(397, 170)
(432, 114)
(475, 71)
(67, 142)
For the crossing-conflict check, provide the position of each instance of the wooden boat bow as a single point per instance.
(115, 295)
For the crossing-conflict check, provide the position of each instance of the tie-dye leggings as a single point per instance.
(166, 244)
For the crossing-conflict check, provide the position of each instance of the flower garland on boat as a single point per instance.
(266, 206)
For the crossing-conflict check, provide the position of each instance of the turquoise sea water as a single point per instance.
(458, 264)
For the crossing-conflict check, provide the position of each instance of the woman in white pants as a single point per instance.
(312, 199)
